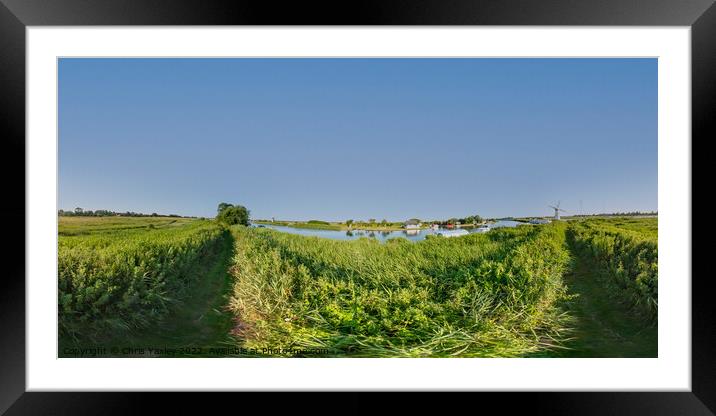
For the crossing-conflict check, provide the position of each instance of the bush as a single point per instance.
(234, 215)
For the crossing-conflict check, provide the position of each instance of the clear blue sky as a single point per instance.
(358, 138)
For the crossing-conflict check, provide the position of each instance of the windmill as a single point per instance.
(556, 210)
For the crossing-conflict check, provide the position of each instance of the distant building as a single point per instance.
(412, 223)
(539, 221)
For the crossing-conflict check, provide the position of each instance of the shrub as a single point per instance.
(233, 215)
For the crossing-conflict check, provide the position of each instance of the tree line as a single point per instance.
(472, 219)
(621, 214)
(79, 212)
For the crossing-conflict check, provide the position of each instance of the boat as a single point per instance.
(482, 229)
(453, 233)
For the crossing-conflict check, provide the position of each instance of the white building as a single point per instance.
(412, 224)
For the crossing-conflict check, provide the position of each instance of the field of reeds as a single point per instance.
(79, 225)
(122, 274)
(626, 252)
(498, 294)
(482, 295)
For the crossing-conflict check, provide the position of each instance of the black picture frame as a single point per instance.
(16, 15)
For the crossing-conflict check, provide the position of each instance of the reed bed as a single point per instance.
(481, 295)
(126, 279)
(627, 253)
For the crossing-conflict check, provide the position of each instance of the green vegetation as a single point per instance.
(626, 251)
(125, 278)
(567, 289)
(602, 325)
(194, 324)
(232, 214)
(479, 295)
(77, 225)
(79, 212)
(641, 227)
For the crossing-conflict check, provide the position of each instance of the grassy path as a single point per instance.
(195, 325)
(603, 326)
(201, 320)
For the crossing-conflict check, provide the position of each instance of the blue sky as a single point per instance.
(358, 138)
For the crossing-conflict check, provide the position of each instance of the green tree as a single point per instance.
(234, 214)
(349, 223)
(222, 206)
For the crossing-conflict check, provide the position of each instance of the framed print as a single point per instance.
(464, 197)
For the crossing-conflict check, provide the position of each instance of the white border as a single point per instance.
(671, 371)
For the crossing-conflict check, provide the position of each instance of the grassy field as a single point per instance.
(196, 325)
(581, 288)
(603, 325)
(91, 225)
(481, 295)
(644, 227)
(125, 276)
(626, 252)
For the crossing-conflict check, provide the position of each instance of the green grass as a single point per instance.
(626, 251)
(568, 289)
(482, 295)
(199, 325)
(126, 278)
(643, 227)
(603, 325)
(68, 226)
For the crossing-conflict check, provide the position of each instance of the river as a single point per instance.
(382, 236)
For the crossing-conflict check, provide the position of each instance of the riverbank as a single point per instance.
(330, 226)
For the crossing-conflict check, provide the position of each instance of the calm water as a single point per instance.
(412, 235)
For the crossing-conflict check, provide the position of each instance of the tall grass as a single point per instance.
(93, 225)
(482, 295)
(628, 256)
(118, 280)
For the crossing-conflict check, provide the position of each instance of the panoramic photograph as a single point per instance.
(357, 207)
